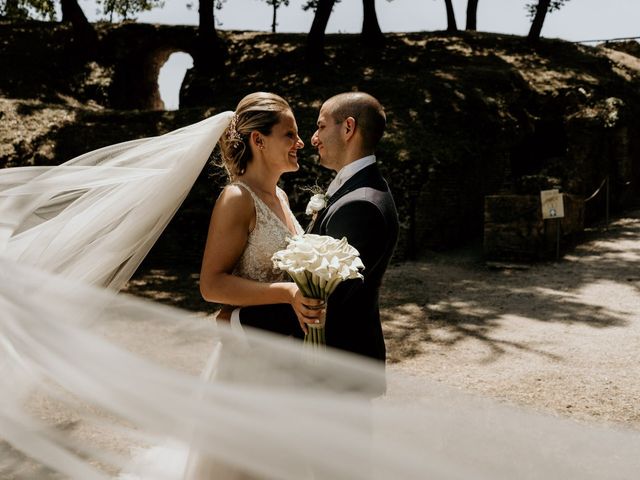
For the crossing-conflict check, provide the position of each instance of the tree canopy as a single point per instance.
(24, 9)
(538, 11)
(553, 5)
(276, 4)
(126, 9)
(117, 10)
(46, 9)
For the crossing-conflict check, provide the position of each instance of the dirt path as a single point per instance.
(559, 337)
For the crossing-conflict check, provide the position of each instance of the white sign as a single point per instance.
(552, 204)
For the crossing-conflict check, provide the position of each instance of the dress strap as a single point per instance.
(263, 210)
(282, 196)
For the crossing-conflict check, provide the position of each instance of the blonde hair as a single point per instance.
(257, 111)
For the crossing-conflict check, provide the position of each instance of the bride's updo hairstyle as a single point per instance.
(257, 111)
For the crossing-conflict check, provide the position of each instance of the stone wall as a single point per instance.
(39, 60)
(515, 230)
(136, 53)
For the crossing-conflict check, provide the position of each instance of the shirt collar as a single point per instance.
(349, 171)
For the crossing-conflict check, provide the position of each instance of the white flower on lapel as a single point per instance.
(317, 203)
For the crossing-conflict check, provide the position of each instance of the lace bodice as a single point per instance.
(268, 236)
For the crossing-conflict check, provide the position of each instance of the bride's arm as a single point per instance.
(232, 219)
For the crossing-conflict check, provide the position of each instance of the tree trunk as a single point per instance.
(209, 55)
(451, 17)
(85, 34)
(206, 24)
(371, 33)
(315, 39)
(472, 14)
(71, 12)
(538, 20)
(275, 14)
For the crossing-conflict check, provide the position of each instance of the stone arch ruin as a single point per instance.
(136, 54)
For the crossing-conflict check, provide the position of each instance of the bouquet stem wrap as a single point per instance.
(315, 337)
(318, 264)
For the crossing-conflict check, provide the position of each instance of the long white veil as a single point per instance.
(95, 217)
(88, 376)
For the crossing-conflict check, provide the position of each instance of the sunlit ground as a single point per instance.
(562, 337)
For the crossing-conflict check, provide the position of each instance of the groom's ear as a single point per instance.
(349, 126)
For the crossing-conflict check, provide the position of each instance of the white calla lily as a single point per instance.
(318, 264)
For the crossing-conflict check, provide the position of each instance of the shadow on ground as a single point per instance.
(177, 287)
(460, 295)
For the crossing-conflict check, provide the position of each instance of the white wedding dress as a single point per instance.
(268, 236)
(90, 378)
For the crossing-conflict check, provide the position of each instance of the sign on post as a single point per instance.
(552, 204)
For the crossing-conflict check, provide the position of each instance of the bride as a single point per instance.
(251, 219)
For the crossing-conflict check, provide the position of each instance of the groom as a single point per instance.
(359, 207)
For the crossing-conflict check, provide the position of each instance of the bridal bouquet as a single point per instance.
(317, 264)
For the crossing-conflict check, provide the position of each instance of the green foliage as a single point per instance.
(25, 9)
(553, 6)
(278, 3)
(313, 5)
(126, 9)
(217, 4)
(45, 9)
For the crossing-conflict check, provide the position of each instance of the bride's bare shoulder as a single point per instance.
(235, 200)
(235, 193)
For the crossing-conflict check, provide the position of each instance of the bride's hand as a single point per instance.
(308, 310)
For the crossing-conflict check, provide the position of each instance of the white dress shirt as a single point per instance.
(349, 171)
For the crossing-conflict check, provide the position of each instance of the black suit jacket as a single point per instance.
(362, 210)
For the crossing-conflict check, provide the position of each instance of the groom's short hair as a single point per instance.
(367, 112)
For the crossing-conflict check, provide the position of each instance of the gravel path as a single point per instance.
(561, 337)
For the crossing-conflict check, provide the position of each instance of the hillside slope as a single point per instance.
(469, 115)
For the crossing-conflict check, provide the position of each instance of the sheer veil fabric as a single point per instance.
(88, 375)
(94, 218)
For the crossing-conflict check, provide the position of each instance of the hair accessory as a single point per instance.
(232, 131)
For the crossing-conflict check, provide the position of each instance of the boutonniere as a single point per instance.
(317, 203)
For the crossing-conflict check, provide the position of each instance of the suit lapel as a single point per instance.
(364, 177)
